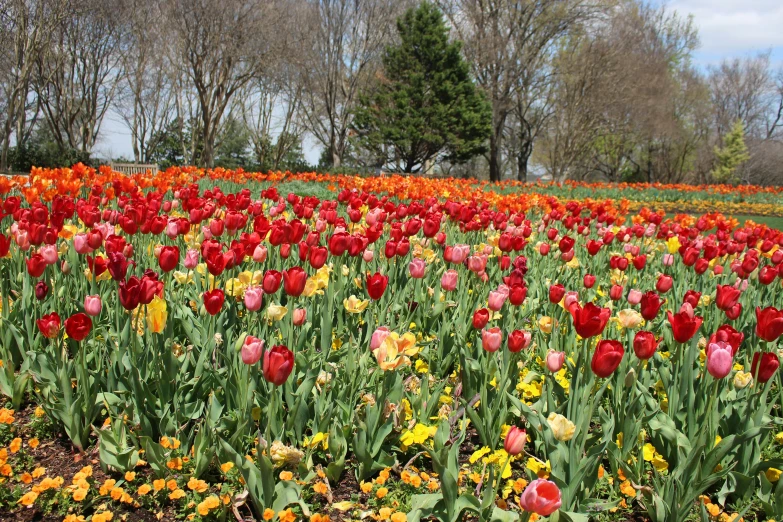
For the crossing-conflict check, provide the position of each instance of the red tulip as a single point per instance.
(49, 325)
(566, 244)
(271, 281)
(692, 297)
(616, 292)
(590, 320)
(518, 340)
(589, 280)
(727, 297)
(78, 326)
(664, 283)
(480, 318)
(318, 256)
(294, 280)
(376, 285)
(764, 365)
(5, 245)
(129, 293)
(35, 265)
(213, 301)
(117, 265)
(41, 289)
(769, 323)
(684, 323)
(607, 357)
(644, 345)
(278, 364)
(556, 293)
(728, 335)
(168, 258)
(650, 305)
(517, 294)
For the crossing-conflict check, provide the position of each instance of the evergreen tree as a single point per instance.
(426, 106)
(729, 157)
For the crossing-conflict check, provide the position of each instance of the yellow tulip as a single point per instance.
(354, 305)
(157, 314)
(562, 428)
(275, 312)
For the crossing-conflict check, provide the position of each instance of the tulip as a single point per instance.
(644, 345)
(92, 305)
(318, 256)
(78, 326)
(252, 349)
(41, 289)
(376, 285)
(191, 259)
(168, 258)
(49, 254)
(555, 361)
(271, 281)
(634, 297)
(35, 265)
(556, 293)
(294, 280)
(259, 254)
(684, 323)
(278, 364)
(664, 283)
(368, 255)
(449, 280)
(727, 297)
(518, 340)
(589, 280)
(719, 359)
(378, 336)
(764, 365)
(515, 440)
(629, 318)
(213, 301)
(253, 298)
(517, 294)
(496, 300)
(562, 428)
(49, 325)
(730, 336)
(491, 339)
(692, 298)
(742, 379)
(590, 320)
(541, 497)
(275, 312)
(607, 357)
(416, 268)
(650, 305)
(480, 318)
(354, 305)
(769, 323)
(616, 292)
(81, 245)
(300, 316)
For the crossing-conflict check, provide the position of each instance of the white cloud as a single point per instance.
(734, 27)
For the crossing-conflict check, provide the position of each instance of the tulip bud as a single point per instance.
(92, 305)
(554, 361)
(515, 441)
(630, 378)
(300, 316)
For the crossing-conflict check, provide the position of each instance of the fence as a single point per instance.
(133, 168)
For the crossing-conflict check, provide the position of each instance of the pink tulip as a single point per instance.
(300, 316)
(92, 305)
(417, 268)
(541, 497)
(252, 349)
(719, 359)
(253, 298)
(81, 245)
(496, 300)
(259, 254)
(191, 259)
(491, 339)
(515, 441)
(634, 296)
(49, 253)
(668, 259)
(555, 360)
(378, 336)
(368, 255)
(449, 280)
(172, 229)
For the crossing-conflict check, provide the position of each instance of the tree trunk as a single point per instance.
(494, 157)
(523, 156)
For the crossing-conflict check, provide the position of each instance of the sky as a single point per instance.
(727, 29)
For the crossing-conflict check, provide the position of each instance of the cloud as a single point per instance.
(735, 27)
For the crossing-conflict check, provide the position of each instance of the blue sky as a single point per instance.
(727, 29)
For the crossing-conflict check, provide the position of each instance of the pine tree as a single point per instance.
(426, 105)
(729, 157)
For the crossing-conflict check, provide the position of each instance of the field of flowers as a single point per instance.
(221, 345)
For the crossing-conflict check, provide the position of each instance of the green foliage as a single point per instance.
(426, 105)
(729, 157)
(41, 150)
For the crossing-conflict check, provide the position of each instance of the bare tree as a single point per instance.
(341, 45)
(77, 79)
(221, 45)
(26, 29)
(145, 102)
